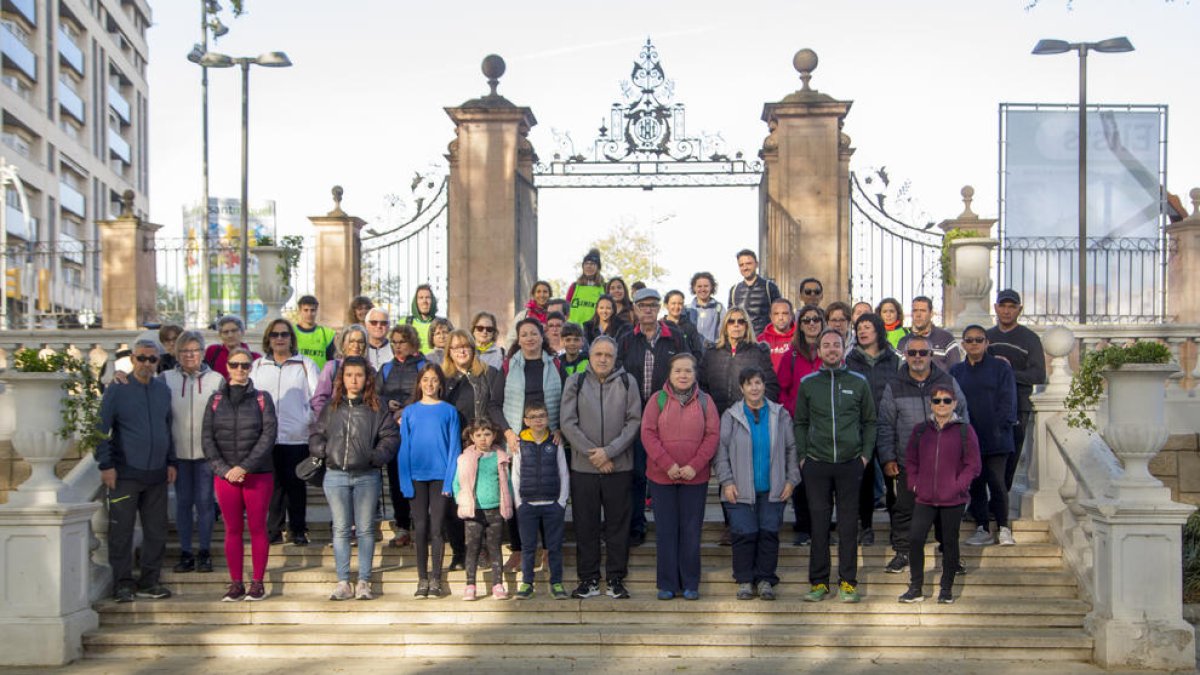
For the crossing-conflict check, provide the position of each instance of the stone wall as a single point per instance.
(1178, 466)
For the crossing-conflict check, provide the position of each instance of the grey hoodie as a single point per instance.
(734, 461)
(597, 414)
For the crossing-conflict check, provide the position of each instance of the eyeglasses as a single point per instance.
(239, 365)
(229, 331)
(142, 358)
(377, 323)
(735, 322)
(810, 320)
(461, 348)
(485, 329)
(941, 401)
(974, 340)
(278, 334)
(811, 291)
(918, 352)
(189, 352)
(837, 320)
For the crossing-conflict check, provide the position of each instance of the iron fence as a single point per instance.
(398, 257)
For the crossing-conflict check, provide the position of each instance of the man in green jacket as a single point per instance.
(835, 437)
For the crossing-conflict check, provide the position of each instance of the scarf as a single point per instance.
(468, 465)
(683, 395)
(535, 311)
(889, 327)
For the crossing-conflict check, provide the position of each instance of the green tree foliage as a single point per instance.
(629, 254)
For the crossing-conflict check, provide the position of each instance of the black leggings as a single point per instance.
(487, 524)
(428, 514)
(925, 516)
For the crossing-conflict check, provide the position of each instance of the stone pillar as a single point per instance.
(1183, 265)
(492, 229)
(806, 162)
(339, 261)
(968, 225)
(45, 606)
(1041, 499)
(127, 274)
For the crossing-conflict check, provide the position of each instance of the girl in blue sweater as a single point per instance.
(428, 460)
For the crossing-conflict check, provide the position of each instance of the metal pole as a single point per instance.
(245, 207)
(1083, 142)
(205, 261)
(4, 175)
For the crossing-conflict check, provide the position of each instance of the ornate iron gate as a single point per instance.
(408, 249)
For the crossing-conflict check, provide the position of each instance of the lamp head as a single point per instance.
(1052, 47)
(1114, 45)
(273, 60)
(219, 29)
(196, 54)
(215, 60)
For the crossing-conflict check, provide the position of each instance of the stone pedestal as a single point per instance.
(492, 228)
(1041, 499)
(44, 603)
(338, 261)
(971, 273)
(806, 162)
(1183, 266)
(127, 282)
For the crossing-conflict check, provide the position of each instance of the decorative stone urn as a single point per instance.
(37, 400)
(972, 258)
(1136, 428)
(274, 288)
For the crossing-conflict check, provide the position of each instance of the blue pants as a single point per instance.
(194, 491)
(548, 517)
(637, 489)
(678, 517)
(755, 530)
(352, 497)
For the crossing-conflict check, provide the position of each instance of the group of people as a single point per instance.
(601, 402)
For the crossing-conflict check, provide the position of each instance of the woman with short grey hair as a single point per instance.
(232, 333)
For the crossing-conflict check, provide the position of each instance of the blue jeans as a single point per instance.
(637, 489)
(194, 490)
(678, 518)
(755, 535)
(353, 496)
(549, 518)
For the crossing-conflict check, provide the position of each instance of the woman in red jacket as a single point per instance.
(680, 429)
(942, 460)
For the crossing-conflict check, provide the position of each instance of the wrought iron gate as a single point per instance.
(409, 250)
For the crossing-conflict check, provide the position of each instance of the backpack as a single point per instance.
(216, 400)
(662, 402)
(962, 428)
(579, 387)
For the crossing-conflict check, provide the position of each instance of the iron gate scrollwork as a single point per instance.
(408, 247)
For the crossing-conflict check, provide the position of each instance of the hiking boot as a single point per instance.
(422, 589)
(912, 595)
(256, 592)
(897, 565)
(766, 591)
(155, 592)
(945, 597)
(745, 592)
(204, 562)
(981, 537)
(587, 589)
(342, 591)
(816, 593)
(558, 592)
(524, 591)
(469, 592)
(363, 590)
(123, 594)
(186, 563)
(867, 537)
(1006, 537)
(499, 592)
(802, 539)
(616, 589)
(689, 594)
(237, 591)
(848, 592)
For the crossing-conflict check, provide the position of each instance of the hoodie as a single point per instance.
(189, 398)
(940, 469)
(780, 343)
(422, 322)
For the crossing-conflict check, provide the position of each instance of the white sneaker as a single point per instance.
(981, 537)
(1006, 538)
(342, 591)
(363, 590)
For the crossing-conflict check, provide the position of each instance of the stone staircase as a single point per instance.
(1016, 604)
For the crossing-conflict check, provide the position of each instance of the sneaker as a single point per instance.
(912, 595)
(155, 592)
(437, 590)
(204, 562)
(981, 537)
(524, 591)
(586, 589)
(897, 565)
(766, 591)
(1006, 538)
(362, 591)
(422, 589)
(848, 592)
(745, 592)
(186, 563)
(558, 592)
(816, 593)
(802, 539)
(469, 593)
(691, 595)
(256, 592)
(236, 592)
(616, 589)
(299, 539)
(123, 594)
(945, 597)
(457, 562)
(401, 539)
(636, 539)
(962, 566)
(726, 537)
(499, 592)
(666, 595)
(342, 591)
(867, 537)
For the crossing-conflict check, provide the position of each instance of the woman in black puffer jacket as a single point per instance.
(736, 349)
(356, 435)
(238, 435)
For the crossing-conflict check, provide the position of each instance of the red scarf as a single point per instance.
(535, 311)
(889, 327)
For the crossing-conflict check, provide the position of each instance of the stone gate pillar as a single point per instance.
(492, 231)
(338, 261)
(127, 270)
(806, 216)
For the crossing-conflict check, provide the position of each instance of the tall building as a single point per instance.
(74, 103)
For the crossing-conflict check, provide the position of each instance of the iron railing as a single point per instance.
(396, 258)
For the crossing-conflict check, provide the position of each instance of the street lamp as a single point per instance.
(268, 60)
(1109, 46)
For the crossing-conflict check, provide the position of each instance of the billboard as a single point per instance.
(222, 235)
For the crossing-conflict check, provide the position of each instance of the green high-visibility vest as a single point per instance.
(583, 303)
(315, 343)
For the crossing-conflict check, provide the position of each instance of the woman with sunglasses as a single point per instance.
(351, 342)
(484, 337)
(291, 380)
(239, 432)
(943, 459)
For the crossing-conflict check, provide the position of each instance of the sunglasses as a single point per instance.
(239, 365)
(278, 334)
(810, 320)
(377, 323)
(735, 322)
(811, 291)
(485, 329)
(918, 352)
(142, 358)
(974, 340)
(942, 401)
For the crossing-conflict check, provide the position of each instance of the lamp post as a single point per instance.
(268, 60)
(1109, 46)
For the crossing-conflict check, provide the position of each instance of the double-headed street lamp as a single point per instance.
(1109, 46)
(268, 60)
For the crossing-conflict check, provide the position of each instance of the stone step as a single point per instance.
(711, 610)
(632, 641)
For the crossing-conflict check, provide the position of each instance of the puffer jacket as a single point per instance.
(756, 299)
(940, 468)
(794, 368)
(239, 433)
(291, 385)
(734, 462)
(720, 367)
(189, 397)
(879, 370)
(681, 433)
(597, 414)
(905, 404)
(353, 437)
(835, 416)
(396, 380)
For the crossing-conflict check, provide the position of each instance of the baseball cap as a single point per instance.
(647, 294)
(1008, 295)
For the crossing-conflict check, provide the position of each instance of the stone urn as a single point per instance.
(274, 288)
(972, 258)
(37, 400)
(1136, 428)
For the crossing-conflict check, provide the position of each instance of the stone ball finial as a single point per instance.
(1195, 195)
(493, 69)
(968, 195)
(1058, 341)
(127, 204)
(805, 62)
(337, 194)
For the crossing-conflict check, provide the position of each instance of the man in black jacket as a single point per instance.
(755, 294)
(645, 352)
(1022, 348)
